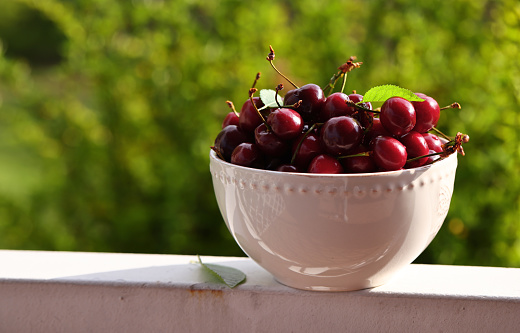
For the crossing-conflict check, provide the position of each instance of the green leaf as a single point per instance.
(230, 276)
(268, 98)
(384, 92)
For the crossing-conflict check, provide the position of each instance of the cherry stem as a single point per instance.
(452, 106)
(288, 106)
(344, 82)
(332, 83)
(251, 93)
(278, 88)
(366, 153)
(359, 107)
(423, 156)
(219, 154)
(256, 79)
(270, 58)
(301, 141)
(232, 107)
(435, 129)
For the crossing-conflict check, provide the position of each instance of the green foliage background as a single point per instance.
(108, 109)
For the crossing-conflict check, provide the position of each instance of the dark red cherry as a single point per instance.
(341, 134)
(312, 98)
(359, 164)
(325, 164)
(397, 116)
(415, 146)
(432, 158)
(272, 163)
(269, 143)
(433, 141)
(287, 168)
(287, 124)
(248, 155)
(375, 130)
(309, 148)
(336, 105)
(228, 139)
(230, 119)
(249, 118)
(356, 98)
(427, 113)
(388, 153)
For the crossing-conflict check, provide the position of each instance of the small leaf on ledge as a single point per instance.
(230, 276)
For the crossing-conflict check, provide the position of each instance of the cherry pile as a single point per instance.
(309, 131)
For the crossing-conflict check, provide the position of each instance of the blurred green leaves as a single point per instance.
(106, 148)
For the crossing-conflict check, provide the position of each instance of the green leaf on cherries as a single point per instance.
(230, 276)
(384, 92)
(268, 98)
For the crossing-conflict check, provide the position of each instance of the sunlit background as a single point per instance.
(108, 110)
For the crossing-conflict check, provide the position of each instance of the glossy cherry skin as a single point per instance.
(248, 155)
(397, 116)
(309, 148)
(228, 139)
(415, 146)
(230, 119)
(427, 113)
(433, 141)
(359, 164)
(269, 143)
(341, 134)
(325, 164)
(356, 98)
(312, 98)
(388, 153)
(374, 131)
(287, 168)
(336, 105)
(249, 118)
(287, 124)
(432, 158)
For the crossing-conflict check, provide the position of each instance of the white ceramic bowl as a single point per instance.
(333, 232)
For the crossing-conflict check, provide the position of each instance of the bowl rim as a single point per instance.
(213, 157)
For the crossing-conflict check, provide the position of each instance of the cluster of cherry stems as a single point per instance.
(338, 133)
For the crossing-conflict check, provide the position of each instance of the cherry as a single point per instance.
(433, 141)
(312, 98)
(230, 119)
(325, 164)
(359, 164)
(249, 118)
(356, 98)
(248, 155)
(375, 130)
(427, 113)
(287, 168)
(269, 143)
(336, 105)
(388, 153)
(397, 116)
(287, 124)
(416, 146)
(308, 147)
(340, 134)
(228, 139)
(432, 158)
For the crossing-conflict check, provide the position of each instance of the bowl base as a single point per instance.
(331, 288)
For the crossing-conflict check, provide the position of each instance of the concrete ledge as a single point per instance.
(104, 292)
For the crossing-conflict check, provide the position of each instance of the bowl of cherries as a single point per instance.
(327, 192)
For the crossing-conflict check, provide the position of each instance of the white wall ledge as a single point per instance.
(108, 292)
